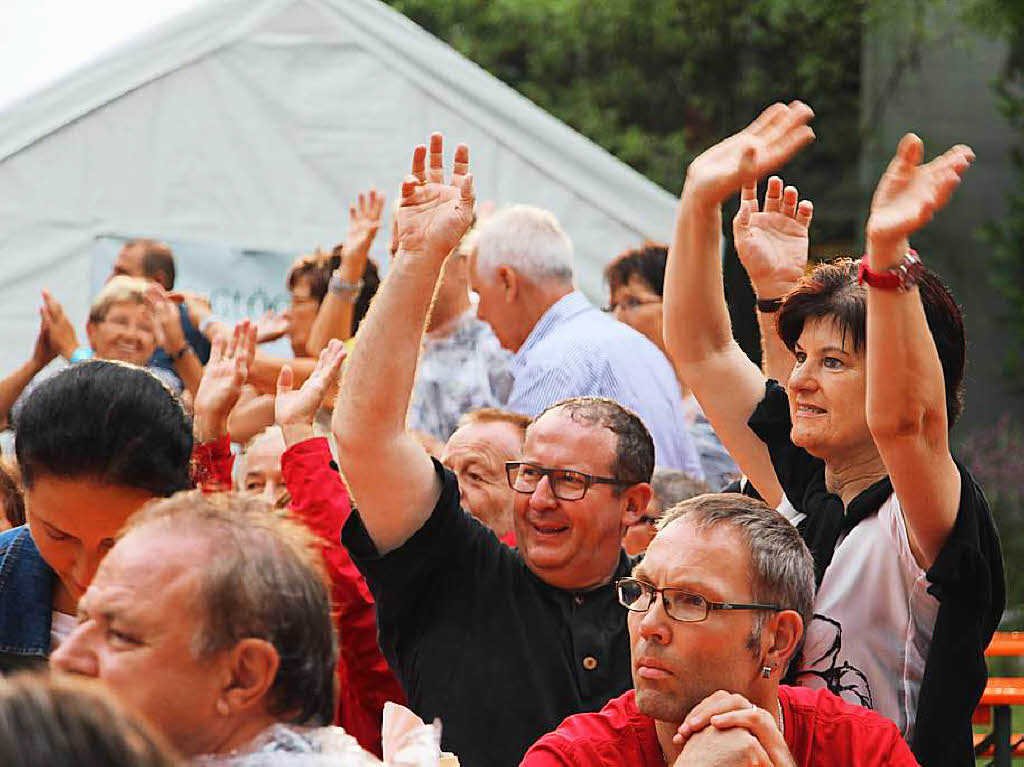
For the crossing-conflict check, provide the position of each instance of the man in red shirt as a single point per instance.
(717, 610)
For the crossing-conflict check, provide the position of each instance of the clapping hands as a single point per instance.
(778, 133)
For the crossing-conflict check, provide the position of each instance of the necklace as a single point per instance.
(781, 720)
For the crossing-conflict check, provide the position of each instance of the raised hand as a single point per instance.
(433, 216)
(364, 221)
(909, 193)
(222, 381)
(772, 244)
(272, 326)
(166, 320)
(43, 352)
(58, 327)
(294, 410)
(772, 139)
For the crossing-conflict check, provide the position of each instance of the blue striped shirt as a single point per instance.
(575, 350)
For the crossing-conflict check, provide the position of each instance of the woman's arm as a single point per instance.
(334, 319)
(698, 333)
(906, 395)
(11, 387)
(253, 413)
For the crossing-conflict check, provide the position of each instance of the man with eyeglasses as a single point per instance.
(716, 612)
(500, 644)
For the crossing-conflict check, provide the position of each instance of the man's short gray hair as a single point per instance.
(528, 239)
(779, 560)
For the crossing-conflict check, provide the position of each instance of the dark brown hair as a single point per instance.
(831, 291)
(317, 269)
(12, 497)
(634, 447)
(647, 262)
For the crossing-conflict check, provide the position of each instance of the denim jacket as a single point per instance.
(26, 602)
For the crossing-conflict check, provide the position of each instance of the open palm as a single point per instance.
(909, 192)
(772, 244)
(226, 372)
(433, 216)
(778, 133)
(298, 407)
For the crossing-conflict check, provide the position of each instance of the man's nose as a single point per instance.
(75, 654)
(655, 623)
(543, 496)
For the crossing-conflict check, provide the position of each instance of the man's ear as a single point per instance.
(780, 639)
(252, 667)
(510, 283)
(90, 330)
(634, 503)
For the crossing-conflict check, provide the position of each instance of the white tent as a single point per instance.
(240, 132)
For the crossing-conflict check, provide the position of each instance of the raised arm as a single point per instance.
(391, 478)
(772, 246)
(906, 395)
(171, 337)
(13, 385)
(334, 319)
(698, 333)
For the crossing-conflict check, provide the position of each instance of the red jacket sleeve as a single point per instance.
(211, 465)
(320, 500)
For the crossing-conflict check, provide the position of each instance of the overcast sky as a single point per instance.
(42, 39)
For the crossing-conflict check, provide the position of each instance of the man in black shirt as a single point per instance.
(500, 644)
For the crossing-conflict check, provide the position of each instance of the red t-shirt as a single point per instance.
(821, 730)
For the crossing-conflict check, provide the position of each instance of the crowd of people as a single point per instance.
(572, 537)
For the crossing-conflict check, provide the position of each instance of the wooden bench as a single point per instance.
(1006, 643)
(1000, 694)
(988, 749)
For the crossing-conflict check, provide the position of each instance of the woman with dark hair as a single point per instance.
(856, 445)
(95, 442)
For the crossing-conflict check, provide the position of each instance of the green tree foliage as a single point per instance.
(655, 81)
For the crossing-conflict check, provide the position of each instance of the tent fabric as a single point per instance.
(251, 125)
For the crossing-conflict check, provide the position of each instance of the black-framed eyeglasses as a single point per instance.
(568, 485)
(683, 605)
(629, 303)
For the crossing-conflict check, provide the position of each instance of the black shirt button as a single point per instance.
(590, 663)
(578, 599)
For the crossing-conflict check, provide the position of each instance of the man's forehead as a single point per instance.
(493, 437)
(155, 553)
(557, 429)
(681, 551)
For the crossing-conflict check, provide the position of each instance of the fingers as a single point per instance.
(248, 354)
(742, 219)
(789, 200)
(232, 346)
(216, 350)
(719, 702)
(285, 380)
(460, 166)
(759, 723)
(419, 157)
(773, 195)
(804, 213)
(466, 187)
(910, 149)
(436, 172)
(409, 184)
(748, 193)
(768, 117)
